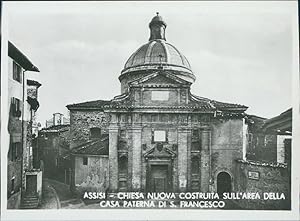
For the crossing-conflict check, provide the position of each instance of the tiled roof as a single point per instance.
(202, 101)
(93, 147)
(92, 104)
(56, 128)
(281, 122)
(195, 102)
(20, 58)
(284, 115)
(33, 83)
(221, 105)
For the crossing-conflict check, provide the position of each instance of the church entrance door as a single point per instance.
(159, 177)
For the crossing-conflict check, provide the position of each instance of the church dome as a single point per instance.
(158, 54)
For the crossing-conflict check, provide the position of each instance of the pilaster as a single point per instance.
(205, 161)
(182, 159)
(136, 158)
(113, 159)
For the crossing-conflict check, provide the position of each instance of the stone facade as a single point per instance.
(197, 146)
(82, 121)
(161, 137)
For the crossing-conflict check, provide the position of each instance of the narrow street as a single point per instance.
(50, 199)
(66, 199)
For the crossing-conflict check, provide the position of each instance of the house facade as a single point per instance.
(157, 136)
(23, 104)
(53, 144)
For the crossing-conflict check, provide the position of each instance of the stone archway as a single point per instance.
(223, 183)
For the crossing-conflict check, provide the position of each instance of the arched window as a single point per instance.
(95, 133)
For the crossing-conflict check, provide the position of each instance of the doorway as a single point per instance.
(159, 179)
(31, 184)
(223, 183)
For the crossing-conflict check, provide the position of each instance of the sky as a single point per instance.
(240, 52)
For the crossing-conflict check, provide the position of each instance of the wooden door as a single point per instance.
(159, 178)
(31, 184)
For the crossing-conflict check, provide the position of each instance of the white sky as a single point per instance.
(240, 52)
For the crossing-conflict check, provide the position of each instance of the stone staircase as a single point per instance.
(29, 201)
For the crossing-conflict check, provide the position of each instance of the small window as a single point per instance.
(17, 72)
(85, 161)
(95, 133)
(160, 95)
(16, 107)
(160, 136)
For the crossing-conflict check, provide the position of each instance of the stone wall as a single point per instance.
(93, 176)
(272, 179)
(82, 121)
(13, 171)
(226, 147)
(14, 201)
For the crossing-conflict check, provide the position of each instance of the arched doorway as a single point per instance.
(223, 183)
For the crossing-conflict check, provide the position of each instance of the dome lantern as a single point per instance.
(157, 28)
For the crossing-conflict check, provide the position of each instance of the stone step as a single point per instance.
(29, 202)
(30, 197)
(29, 205)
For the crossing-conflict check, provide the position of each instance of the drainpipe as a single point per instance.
(22, 131)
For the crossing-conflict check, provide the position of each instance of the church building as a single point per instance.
(156, 136)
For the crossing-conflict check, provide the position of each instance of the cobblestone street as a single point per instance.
(66, 199)
(50, 199)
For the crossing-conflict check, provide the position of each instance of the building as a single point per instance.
(157, 136)
(267, 138)
(267, 169)
(57, 119)
(53, 143)
(281, 127)
(22, 178)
